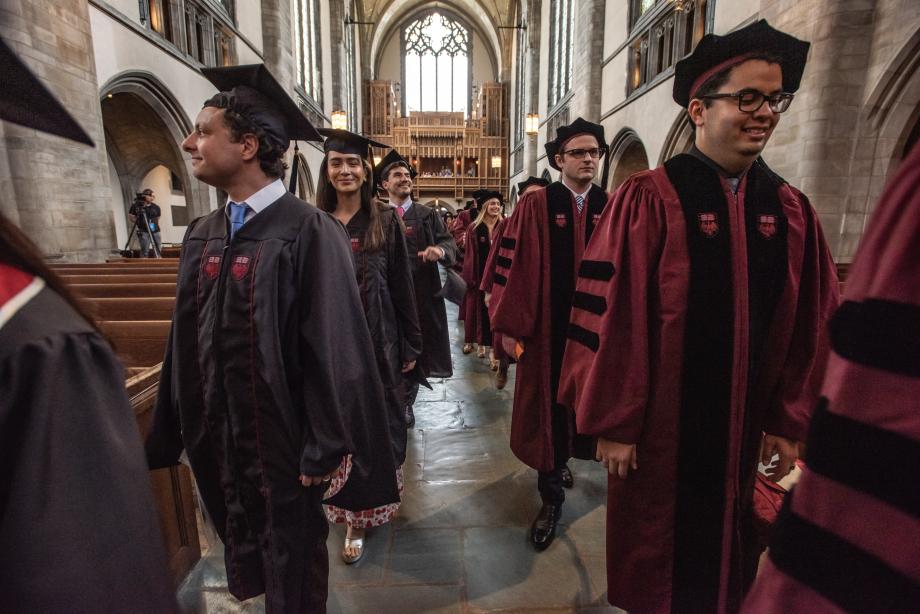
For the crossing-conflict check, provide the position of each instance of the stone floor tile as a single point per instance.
(399, 600)
(426, 556)
(370, 569)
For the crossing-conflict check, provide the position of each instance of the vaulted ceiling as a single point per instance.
(484, 15)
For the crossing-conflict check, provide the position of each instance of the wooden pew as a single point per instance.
(117, 270)
(119, 278)
(91, 291)
(138, 343)
(133, 308)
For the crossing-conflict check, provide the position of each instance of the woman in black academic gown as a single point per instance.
(384, 275)
(477, 328)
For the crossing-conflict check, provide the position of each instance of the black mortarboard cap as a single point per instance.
(344, 141)
(523, 185)
(391, 159)
(24, 100)
(254, 93)
(715, 53)
(566, 133)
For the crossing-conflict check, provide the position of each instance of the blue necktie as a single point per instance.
(237, 216)
(580, 202)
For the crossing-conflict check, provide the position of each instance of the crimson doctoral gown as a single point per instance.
(698, 323)
(533, 286)
(846, 540)
(488, 279)
(476, 326)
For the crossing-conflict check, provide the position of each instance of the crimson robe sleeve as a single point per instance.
(471, 259)
(803, 368)
(402, 293)
(605, 371)
(488, 273)
(518, 278)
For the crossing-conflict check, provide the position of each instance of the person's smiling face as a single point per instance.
(346, 171)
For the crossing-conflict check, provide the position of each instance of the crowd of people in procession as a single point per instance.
(678, 331)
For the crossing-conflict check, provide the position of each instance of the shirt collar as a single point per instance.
(264, 197)
(582, 194)
(732, 181)
(404, 205)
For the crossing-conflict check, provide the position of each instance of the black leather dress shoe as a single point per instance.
(410, 417)
(567, 480)
(544, 527)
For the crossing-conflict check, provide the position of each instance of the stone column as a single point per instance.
(278, 39)
(60, 188)
(587, 56)
(532, 83)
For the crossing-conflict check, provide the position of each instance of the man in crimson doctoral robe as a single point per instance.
(270, 378)
(846, 539)
(532, 291)
(697, 340)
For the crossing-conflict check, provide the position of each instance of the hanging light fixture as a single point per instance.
(532, 124)
(339, 120)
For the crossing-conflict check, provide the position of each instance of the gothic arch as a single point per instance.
(545, 175)
(626, 156)
(157, 116)
(679, 139)
(401, 12)
(306, 189)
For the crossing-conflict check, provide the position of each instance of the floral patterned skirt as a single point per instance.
(366, 519)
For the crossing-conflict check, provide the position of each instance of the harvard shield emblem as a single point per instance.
(410, 231)
(240, 267)
(560, 220)
(595, 218)
(355, 244)
(211, 266)
(766, 226)
(482, 239)
(709, 224)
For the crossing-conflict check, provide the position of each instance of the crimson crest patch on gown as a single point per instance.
(595, 218)
(211, 266)
(709, 224)
(482, 239)
(355, 244)
(410, 231)
(560, 220)
(240, 267)
(766, 226)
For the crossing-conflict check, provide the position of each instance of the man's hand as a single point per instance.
(307, 481)
(509, 344)
(617, 457)
(432, 253)
(408, 366)
(788, 451)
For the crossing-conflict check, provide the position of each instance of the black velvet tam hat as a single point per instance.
(25, 101)
(389, 161)
(483, 196)
(254, 93)
(715, 53)
(347, 142)
(540, 181)
(566, 133)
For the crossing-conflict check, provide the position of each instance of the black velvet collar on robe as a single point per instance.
(709, 357)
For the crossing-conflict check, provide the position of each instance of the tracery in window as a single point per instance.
(560, 50)
(437, 62)
(307, 48)
(657, 46)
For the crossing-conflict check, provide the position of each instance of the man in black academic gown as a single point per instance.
(78, 526)
(428, 243)
(269, 379)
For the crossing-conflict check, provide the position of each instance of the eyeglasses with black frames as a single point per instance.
(750, 101)
(594, 152)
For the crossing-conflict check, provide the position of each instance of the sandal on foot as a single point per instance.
(481, 352)
(467, 348)
(358, 545)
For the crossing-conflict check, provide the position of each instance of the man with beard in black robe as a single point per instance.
(269, 380)
(428, 243)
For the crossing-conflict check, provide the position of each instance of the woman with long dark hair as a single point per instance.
(378, 244)
(479, 242)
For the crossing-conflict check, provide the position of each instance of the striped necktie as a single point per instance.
(579, 202)
(237, 216)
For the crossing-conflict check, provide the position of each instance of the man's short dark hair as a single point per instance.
(385, 175)
(270, 153)
(714, 83)
(147, 192)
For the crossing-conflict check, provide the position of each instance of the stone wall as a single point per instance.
(587, 57)
(60, 188)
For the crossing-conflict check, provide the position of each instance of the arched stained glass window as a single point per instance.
(436, 51)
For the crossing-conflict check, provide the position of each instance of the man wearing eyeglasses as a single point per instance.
(533, 284)
(697, 335)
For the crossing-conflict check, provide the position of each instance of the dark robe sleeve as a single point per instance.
(342, 393)
(804, 365)
(605, 371)
(164, 445)
(402, 292)
(78, 530)
(441, 237)
(518, 278)
(470, 272)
